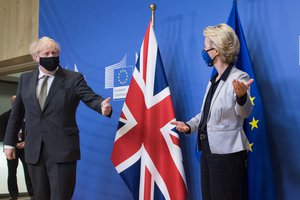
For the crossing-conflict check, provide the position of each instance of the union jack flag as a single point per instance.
(146, 150)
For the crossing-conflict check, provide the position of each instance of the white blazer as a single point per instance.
(226, 117)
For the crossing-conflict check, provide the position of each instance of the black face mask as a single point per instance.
(49, 63)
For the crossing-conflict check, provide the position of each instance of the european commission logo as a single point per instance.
(117, 77)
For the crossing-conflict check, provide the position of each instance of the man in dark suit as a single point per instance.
(48, 99)
(12, 165)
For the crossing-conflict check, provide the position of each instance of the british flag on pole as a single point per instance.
(147, 151)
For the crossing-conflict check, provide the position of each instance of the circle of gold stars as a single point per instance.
(119, 76)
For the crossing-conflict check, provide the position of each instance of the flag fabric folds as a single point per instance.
(260, 173)
(146, 151)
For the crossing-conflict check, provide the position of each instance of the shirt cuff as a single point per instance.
(189, 131)
(8, 147)
(242, 100)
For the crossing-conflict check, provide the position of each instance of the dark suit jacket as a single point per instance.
(3, 123)
(56, 124)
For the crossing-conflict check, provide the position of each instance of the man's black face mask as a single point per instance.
(49, 63)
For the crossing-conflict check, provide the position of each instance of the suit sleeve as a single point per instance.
(194, 122)
(3, 124)
(15, 119)
(87, 95)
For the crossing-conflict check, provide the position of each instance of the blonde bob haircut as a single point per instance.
(223, 38)
(41, 44)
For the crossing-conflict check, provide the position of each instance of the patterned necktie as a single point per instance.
(43, 92)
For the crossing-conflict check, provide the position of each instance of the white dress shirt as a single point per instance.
(41, 77)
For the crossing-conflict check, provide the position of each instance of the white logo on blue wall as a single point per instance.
(117, 77)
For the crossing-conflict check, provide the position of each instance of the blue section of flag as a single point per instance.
(122, 76)
(131, 176)
(160, 82)
(260, 172)
(157, 193)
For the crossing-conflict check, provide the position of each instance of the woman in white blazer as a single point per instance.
(226, 104)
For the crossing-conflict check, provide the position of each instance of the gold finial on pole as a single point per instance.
(153, 8)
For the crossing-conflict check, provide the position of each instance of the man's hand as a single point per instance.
(106, 107)
(241, 88)
(181, 126)
(10, 154)
(20, 145)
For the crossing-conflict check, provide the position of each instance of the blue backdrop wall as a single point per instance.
(95, 34)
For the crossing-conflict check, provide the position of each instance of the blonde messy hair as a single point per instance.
(43, 43)
(223, 38)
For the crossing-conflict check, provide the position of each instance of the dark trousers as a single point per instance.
(51, 180)
(12, 175)
(223, 176)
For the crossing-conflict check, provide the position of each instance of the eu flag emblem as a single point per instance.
(122, 76)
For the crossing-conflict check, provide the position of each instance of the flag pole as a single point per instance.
(153, 8)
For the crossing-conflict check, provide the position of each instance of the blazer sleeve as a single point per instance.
(87, 95)
(194, 122)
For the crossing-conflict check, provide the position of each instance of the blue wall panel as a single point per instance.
(95, 34)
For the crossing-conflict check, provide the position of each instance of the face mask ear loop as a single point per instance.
(212, 61)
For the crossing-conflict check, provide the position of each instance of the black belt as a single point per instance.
(203, 136)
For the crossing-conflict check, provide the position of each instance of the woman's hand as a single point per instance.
(241, 88)
(181, 126)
